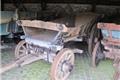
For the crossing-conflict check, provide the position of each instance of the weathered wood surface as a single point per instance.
(109, 26)
(43, 25)
(21, 62)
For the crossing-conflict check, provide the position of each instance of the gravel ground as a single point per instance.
(39, 70)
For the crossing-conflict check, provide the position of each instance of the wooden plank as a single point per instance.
(43, 25)
(108, 26)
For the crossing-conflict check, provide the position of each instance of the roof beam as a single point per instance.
(105, 2)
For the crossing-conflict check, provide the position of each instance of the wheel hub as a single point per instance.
(66, 66)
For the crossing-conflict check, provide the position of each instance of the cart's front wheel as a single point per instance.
(62, 65)
(21, 49)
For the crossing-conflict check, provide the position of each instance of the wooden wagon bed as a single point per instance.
(73, 26)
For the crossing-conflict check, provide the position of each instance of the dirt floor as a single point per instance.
(39, 70)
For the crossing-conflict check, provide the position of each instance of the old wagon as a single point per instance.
(8, 27)
(48, 39)
(108, 46)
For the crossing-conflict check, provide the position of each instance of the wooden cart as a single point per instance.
(108, 46)
(47, 40)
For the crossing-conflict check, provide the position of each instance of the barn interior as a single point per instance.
(50, 10)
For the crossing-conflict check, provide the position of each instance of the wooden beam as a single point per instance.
(105, 2)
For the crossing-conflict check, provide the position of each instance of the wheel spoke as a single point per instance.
(21, 51)
(69, 57)
(23, 47)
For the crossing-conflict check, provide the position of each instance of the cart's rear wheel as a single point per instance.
(97, 54)
(62, 65)
(21, 49)
(94, 36)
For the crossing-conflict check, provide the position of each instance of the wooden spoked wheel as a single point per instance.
(94, 36)
(96, 51)
(21, 49)
(62, 65)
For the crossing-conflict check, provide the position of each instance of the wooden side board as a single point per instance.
(109, 26)
(43, 25)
